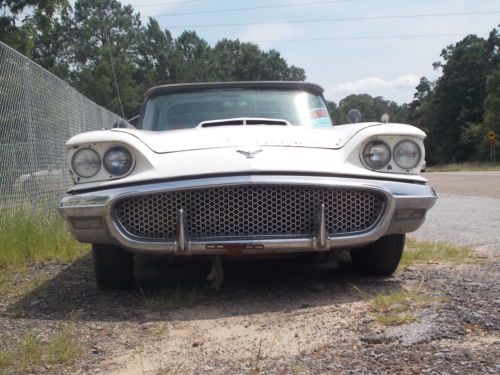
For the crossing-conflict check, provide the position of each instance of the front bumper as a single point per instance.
(90, 216)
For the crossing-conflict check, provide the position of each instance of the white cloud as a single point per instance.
(271, 32)
(372, 84)
(400, 89)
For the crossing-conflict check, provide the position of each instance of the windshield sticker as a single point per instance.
(320, 118)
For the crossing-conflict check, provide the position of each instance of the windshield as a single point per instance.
(188, 110)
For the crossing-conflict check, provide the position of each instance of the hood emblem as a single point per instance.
(249, 154)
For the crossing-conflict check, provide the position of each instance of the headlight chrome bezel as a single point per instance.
(392, 142)
(79, 152)
(100, 150)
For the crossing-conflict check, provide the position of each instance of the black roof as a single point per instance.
(277, 85)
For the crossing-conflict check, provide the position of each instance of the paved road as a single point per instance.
(467, 211)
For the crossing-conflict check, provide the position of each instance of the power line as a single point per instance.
(167, 3)
(253, 8)
(341, 19)
(414, 36)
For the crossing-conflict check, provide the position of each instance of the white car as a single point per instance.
(240, 168)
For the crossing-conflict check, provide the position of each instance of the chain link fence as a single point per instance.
(38, 114)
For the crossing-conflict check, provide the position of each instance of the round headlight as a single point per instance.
(86, 163)
(376, 154)
(117, 160)
(407, 154)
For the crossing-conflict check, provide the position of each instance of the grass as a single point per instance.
(26, 237)
(399, 307)
(31, 354)
(436, 252)
(464, 167)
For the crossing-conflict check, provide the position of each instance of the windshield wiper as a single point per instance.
(245, 121)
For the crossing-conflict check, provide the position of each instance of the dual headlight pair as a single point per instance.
(377, 154)
(117, 161)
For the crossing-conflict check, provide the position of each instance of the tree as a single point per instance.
(52, 46)
(105, 38)
(18, 32)
(155, 54)
(371, 108)
(192, 58)
(492, 100)
(102, 49)
(236, 61)
(458, 98)
(418, 113)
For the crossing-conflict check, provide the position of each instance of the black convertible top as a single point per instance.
(200, 86)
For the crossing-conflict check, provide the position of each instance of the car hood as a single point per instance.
(241, 136)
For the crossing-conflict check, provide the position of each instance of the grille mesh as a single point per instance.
(251, 210)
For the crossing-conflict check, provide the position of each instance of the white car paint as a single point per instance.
(213, 151)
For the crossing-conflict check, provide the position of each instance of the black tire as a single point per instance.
(380, 258)
(113, 266)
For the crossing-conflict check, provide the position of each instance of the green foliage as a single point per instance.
(99, 40)
(26, 237)
(30, 354)
(417, 252)
(371, 108)
(38, 14)
(474, 138)
(463, 103)
(85, 45)
(492, 102)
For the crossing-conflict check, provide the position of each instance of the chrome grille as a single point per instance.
(249, 211)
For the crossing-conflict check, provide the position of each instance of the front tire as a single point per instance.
(113, 266)
(380, 258)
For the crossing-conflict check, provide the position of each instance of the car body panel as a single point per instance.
(274, 157)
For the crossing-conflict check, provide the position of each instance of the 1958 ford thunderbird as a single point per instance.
(239, 168)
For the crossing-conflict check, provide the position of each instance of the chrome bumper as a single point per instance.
(90, 216)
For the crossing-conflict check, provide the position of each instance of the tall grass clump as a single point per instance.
(424, 252)
(29, 237)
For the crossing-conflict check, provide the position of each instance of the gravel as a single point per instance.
(274, 317)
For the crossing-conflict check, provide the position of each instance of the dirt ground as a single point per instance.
(305, 315)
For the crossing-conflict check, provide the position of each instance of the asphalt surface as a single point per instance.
(467, 211)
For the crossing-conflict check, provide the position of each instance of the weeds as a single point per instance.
(399, 307)
(257, 358)
(26, 237)
(436, 252)
(31, 353)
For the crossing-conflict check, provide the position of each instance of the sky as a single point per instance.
(346, 46)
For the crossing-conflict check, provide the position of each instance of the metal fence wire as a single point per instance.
(38, 114)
